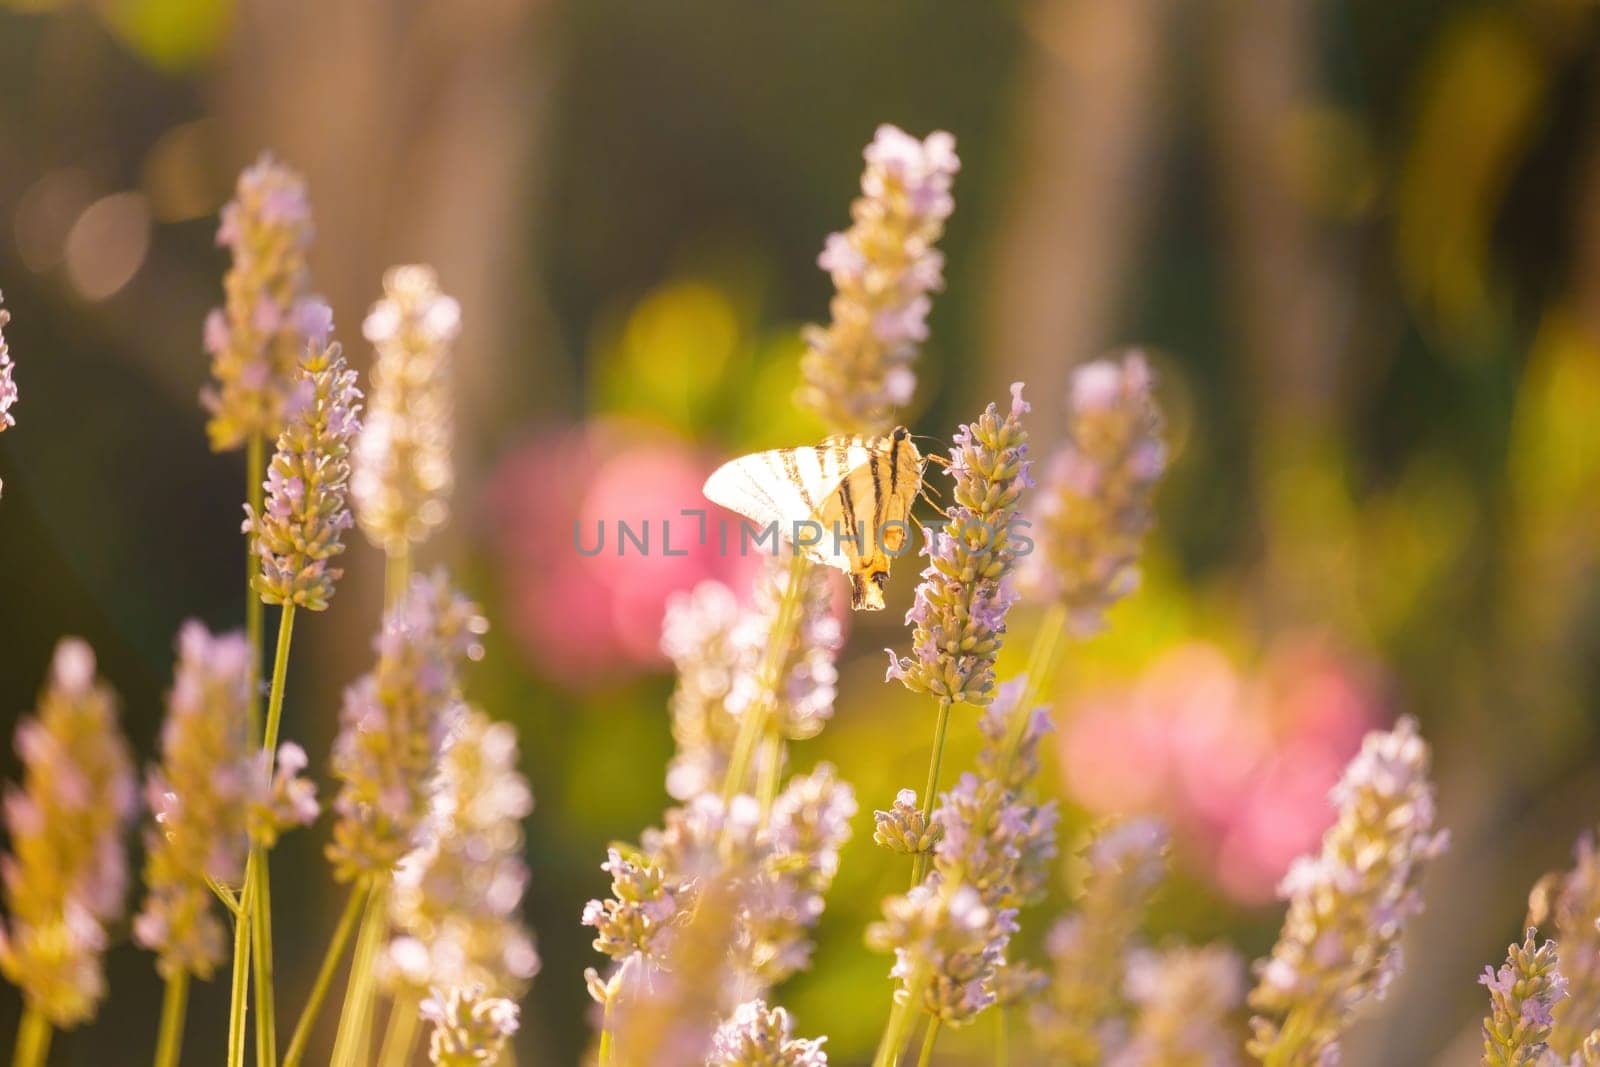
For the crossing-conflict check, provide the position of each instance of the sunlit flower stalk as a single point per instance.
(1348, 906)
(773, 869)
(66, 877)
(992, 847)
(784, 680)
(959, 613)
(403, 471)
(1094, 504)
(470, 1029)
(1082, 1016)
(295, 533)
(666, 1014)
(457, 897)
(393, 727)
(718, 648)
(1523, 994)
(858, 369)
(210, 797)
(300, 529)
(759, 1036)
(8, 387)
(256, 339)
(1183, 999)
(1571, 901)
(269, 315)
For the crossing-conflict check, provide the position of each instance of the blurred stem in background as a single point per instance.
(353, 910)
(33, 1039)
(941, 725)
(754, 723)
(400, 1040)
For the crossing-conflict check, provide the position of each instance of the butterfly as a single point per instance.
(845, 502)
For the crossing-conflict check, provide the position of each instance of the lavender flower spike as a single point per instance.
(403, 470)
(960, 608)
(859, 368)
(1094, 507)
(1348, 906)
(393, 725)
(1522, 995)
(718, 648)
(469, 1028)
(301, 527)
(1085, 1004)
(66, 877)
(205, 798)
(268, 315)
(1185, 999)
(759, 1036)
(8, 388)
(1571, 900)
(457, 897)
(946, 942)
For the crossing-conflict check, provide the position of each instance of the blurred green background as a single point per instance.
(1361, 241)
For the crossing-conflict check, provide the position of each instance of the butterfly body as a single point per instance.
(845, 502)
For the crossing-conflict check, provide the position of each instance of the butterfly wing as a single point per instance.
(838, 498)
(783, 486)
(871, 509)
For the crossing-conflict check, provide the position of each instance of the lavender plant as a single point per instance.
(1523, 994)
(66, 877)
(858, 369)
(403, 471)
(1348, 906)
(994, 844)
(1082, 1016)
(1094, 507)
(269, 315)
(295, 533)
(1182, 1000)
(8, 387)
(959, 613)
(470, 1029)
(719, 650)
(393, 728)
(1571, 901)
(210, 797)
(456, 898)
(759, 1036)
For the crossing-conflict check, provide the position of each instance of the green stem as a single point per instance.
(1042, 656)
(330, 963)
(1002, 1044)
(897, 1031)
(400, 1038)
(266, 1011)
(254, 491)
(771, 766)
(280, 671)
(919, 863)
(753, 723)
(239, 997)
(926, 1056)
(355, 1019)
(396, 575)
(174, 1004)
(33, 1039)
(605, 1034)
(253, 899)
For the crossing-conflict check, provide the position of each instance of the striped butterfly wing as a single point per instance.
(847, 492)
